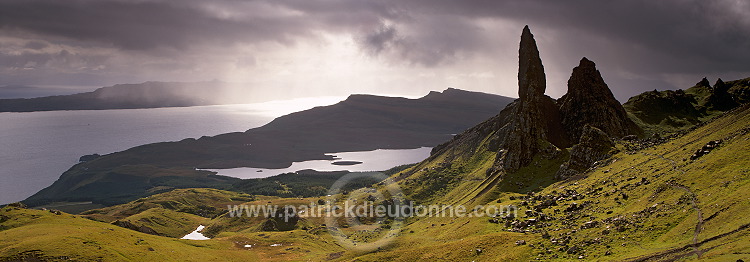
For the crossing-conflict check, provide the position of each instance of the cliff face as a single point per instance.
(589, 101)
(594, 145)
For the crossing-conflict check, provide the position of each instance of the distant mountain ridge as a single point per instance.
(131, 96)
(23, 91)
(359, 123)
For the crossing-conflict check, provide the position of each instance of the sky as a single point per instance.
(395, 47)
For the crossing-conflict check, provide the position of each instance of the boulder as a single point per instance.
(705, 149)
(594, 145)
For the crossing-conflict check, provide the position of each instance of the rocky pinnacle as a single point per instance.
(526, 132)
(531, 78)
(590, 102)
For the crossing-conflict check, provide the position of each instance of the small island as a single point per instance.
(346, 163)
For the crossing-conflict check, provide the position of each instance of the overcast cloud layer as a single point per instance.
(336, 47)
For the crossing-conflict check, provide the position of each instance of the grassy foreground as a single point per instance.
(649, 204)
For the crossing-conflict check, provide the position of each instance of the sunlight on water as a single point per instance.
(37, 147)
(284, 107)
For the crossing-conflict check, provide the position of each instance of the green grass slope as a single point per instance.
(33, 235)
(653, 204)
(650, 203)
(671, 111)
(173, 213)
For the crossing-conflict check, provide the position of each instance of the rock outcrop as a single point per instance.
(720, 99)
(740, 90)
(594, 145)
(131, 226)
(590, 102)
(537, 125)
(90, 157)
(703, 83)
(283, 220)
(672, 108)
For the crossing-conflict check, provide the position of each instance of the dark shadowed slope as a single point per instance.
(674, 110)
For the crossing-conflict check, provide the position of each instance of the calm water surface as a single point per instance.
(376, 160)
(37, 147)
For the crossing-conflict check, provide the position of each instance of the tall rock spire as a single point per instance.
(531, 79)
(532, 116)
(537, 126)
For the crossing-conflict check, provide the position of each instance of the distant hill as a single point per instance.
(144, 95)
(359, 123)
(21, 91)
(670, 110)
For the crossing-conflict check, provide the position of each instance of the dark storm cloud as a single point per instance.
(138, 25)
(643, 37)
(640, 45)
(178, 31)
(696, 31)
(684, 33)
(381, 39)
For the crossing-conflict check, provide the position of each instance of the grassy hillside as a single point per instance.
(174, 213)
(671, 111)
(647, 203)
(652, 204)
(55, 236)
(657, 203)
(36, 234)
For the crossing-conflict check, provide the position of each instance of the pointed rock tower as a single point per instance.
(532, 81)
(590, 102)
(533, 125)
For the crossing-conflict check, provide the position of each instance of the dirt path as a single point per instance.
(693, 200)
(699, 225)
